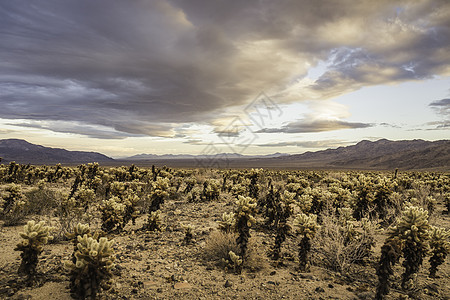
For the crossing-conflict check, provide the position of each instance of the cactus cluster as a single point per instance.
(14, 205)
(283, 211)
(228, 222)
(410, 238)
(390, 254)
(244, 219)
(440, 248)
(188, 234)
(91, 271)
(34, 237)
(154, 222)
(234, 262)
(113, 212)
(412, 231)
(159, 193)
(307, 227)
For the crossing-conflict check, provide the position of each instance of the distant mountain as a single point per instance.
(365, 155)
(140, 157)
(24, 152)
(381, 154)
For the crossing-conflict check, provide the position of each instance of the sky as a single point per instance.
(125, 77)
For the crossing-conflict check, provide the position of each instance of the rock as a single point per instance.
(273, 273)
(150, 284)
(228, 284)
(307, 276)
(319, 290)
(181, 285)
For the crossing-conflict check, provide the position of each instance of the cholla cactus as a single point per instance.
(78, 230)
(188, 233)
(235, 261)
(154, 222)
(447, 202)
(13, 205)
(113, 212)
(440, 248)
(35, 236)
(211, 190)
(244, 219)
(283, 211)
(306, 226)
(160, 188)
(228, 222)
(390, 254)
(131, 211)
(92, 270)
(412, 231)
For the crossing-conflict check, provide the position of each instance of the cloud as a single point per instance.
(145, 67)
(442, 106)
(439, 125)
(304, 126)
(308, 144)
(99, 132)
(6, 131)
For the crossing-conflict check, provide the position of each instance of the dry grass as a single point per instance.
(219, 244)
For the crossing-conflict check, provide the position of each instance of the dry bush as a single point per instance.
(41, 200)
(339, 247)
(219, 244)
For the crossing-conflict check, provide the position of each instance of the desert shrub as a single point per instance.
(41, 199)
(69, 213)
(218, 246)
(340, 243)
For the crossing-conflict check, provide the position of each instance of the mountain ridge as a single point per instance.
(21, 151)
(371, 155)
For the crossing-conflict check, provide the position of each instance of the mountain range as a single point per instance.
(24, 152)
(378, 155)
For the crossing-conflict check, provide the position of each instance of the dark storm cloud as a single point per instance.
(145, 67)
(304, 126)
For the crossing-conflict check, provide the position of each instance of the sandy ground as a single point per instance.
(159, 265)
